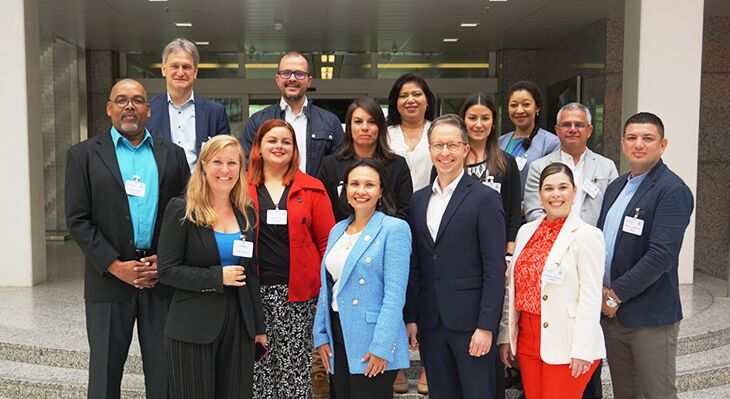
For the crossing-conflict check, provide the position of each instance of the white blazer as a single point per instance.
(571, 311)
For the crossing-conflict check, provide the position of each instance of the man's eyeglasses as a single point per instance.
(122, 102)
(298, 75)
(452, 147)
(577, 125)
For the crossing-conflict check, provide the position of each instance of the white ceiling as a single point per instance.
(352, 26)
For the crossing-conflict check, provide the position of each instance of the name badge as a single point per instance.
(339, 188)
(134, 187)
(492, 184)
(633, 225)
(590, 188)
(243, 248)
(276, 216)
(521, 162)
(553, 275)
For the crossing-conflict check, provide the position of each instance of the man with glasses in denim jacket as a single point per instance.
(319, 132)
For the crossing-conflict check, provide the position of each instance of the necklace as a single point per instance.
(351, 237)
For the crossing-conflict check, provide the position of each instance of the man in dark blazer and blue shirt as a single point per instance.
(117, 186)
(456, 282)
(644, 216)
(178, 114)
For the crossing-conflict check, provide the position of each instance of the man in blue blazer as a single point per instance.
(644, 216)
(456, 282)
(178, 114)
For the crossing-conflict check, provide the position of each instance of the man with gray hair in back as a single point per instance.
(180, 115)
(592, 174)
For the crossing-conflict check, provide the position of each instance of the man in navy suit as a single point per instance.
(179, 115)
(456, 282)
(644, 216)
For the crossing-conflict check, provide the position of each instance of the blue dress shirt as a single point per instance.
(614, 220)
(139, 162)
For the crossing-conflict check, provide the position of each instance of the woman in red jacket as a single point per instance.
(294, 220)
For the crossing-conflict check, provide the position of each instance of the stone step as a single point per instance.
(30, 381)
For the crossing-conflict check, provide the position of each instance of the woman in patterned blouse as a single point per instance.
(551, 313)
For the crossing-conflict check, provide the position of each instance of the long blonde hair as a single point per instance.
(199, 210)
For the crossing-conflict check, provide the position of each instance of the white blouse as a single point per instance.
(419, 160)
(335, 261)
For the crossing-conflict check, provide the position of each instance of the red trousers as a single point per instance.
(542, 380)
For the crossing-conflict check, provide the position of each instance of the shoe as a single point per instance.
(320, 384)
(422, 386)
(400, 385)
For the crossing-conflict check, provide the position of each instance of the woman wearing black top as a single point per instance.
(365, 137)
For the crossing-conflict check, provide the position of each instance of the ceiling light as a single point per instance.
(323, 58)
(157, 1)
(331, 58)
(202, 43)
(498, 0)
(183, 24)
(469, 24)
(451, 40)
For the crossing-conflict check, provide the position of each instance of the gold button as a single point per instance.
(544, 297)
(362, 281)
(355, 301)
(545, 325)
(368, 260)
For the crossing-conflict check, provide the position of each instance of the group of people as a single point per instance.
(304, 246)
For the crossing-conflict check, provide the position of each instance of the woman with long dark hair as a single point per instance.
(366, 137)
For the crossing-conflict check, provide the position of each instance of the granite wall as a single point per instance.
(514, 65)
(712, 243)
(102, 69)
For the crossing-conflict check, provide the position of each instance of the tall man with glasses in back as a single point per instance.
(319, 132)
(592, 174)
(118, 184)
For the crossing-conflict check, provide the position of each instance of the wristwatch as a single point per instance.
(611, 303)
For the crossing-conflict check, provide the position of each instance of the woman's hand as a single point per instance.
(325, 353)
(261, 339)
(481, 342)
(505, 352)
(376, 365)
(579, 367)
(233, 276)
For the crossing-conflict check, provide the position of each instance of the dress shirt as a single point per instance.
(419, 160)
(299, 123)
(182, 127)
(614, 221)
(336, 259)
(139, 162)
(578, 174)
(438, 203)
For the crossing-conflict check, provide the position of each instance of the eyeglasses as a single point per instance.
(122, 102)
(452, 147)
(568, 125)
(298, 75)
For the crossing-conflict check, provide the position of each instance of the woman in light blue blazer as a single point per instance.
(528, 142)
(358, 328)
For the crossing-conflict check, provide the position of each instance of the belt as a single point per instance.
(141, 253)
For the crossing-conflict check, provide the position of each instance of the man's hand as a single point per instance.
(605, 309)
(481, 342)
(412, 332)
(125, 271)
(147, 273)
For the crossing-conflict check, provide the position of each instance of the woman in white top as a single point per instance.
(411, 107)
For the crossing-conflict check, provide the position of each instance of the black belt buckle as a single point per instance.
(140, 253)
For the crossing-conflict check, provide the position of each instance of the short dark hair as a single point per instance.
(387, 203)
(382, 149)
(536, 93)
(293, 54)
(555, 168)
(410, 77)
(645, 118)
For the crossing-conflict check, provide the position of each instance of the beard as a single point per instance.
(130, 128)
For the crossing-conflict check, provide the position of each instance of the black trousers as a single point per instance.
(356, 386)
(594, 389)
(109, 327)
(222, 369)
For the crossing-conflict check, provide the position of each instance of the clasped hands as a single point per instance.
(480, 344)
(137, 273)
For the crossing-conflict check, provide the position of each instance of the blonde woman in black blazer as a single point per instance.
(206, 253)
